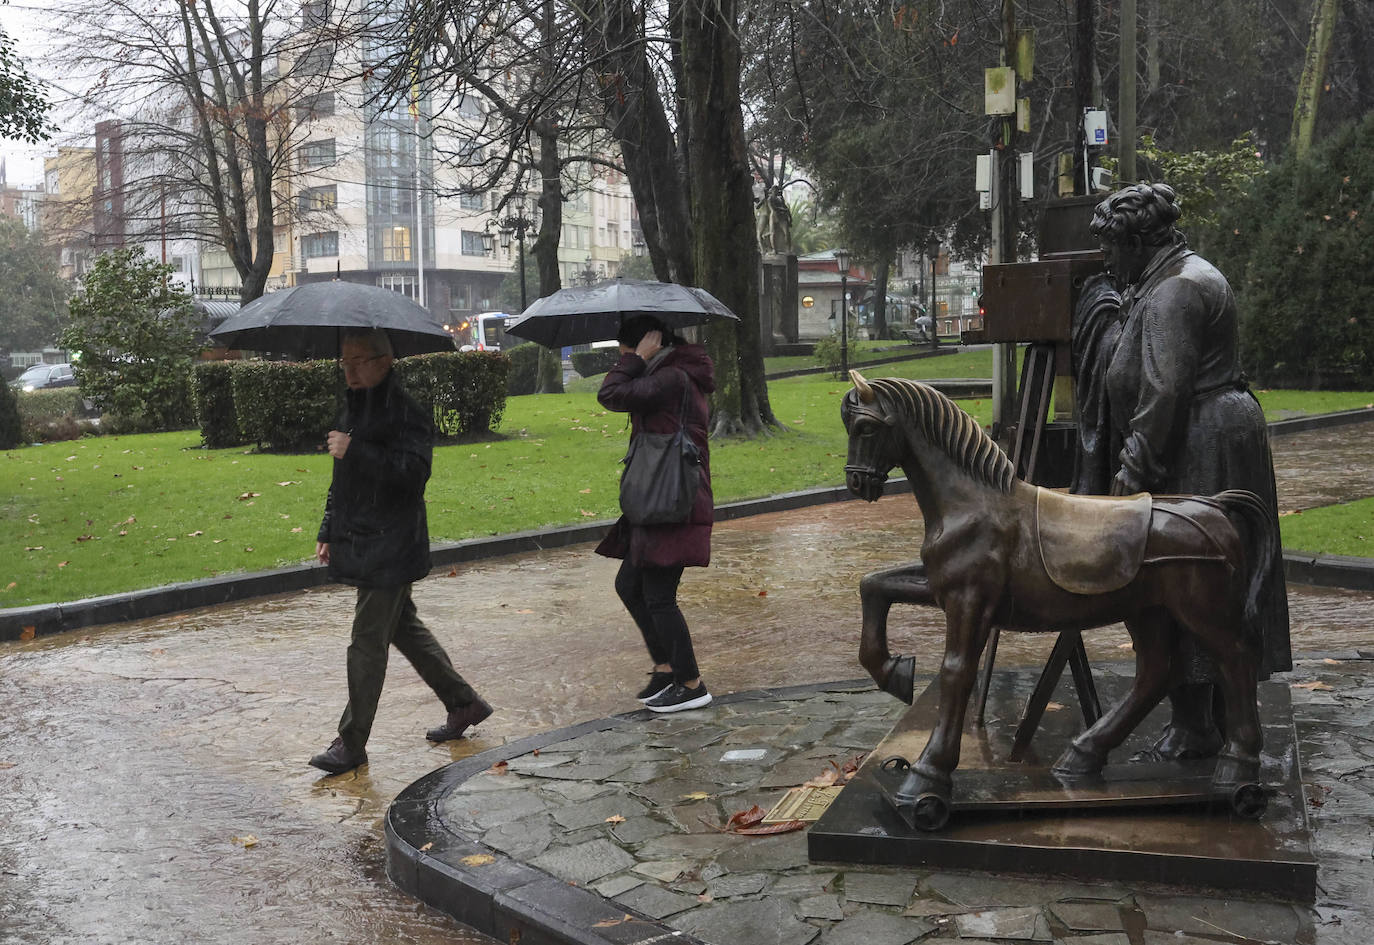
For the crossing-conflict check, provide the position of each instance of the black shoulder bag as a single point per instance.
(662, 473)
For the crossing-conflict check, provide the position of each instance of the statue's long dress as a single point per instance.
(1183, 418)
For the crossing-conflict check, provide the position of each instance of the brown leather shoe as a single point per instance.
(337, 759)
(459, 721)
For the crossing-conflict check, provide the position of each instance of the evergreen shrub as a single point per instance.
(47, 416)
(467, 389)
(1298, 252)
(286, 405)
(524, 369)
(594, 362)
(212, 392)
(10, 435)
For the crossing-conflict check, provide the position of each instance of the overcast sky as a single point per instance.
(23, 21)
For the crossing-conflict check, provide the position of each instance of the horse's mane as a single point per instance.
(951, 429)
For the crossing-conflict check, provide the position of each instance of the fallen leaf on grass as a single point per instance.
(11, 585)
(289, 482)
(249, 495)
(84, 537)
(195, 534)
(296, 529)
(584, 491)
(34, 548)
(63, 564)
(586, 514)
(478, 859)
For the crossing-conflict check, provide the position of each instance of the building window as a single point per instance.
(319, 198)
(396, 244)
(320, 244)
(317, 153)
(315, 106)
(459, 299)
(472, 243)
(471, 202)
(406, 285)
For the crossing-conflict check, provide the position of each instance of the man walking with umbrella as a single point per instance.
(375, 537)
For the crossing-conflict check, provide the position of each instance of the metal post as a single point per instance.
(844, 325)
(934, 306)
(520, 235)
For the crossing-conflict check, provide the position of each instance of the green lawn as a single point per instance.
(1345, 529)
(108, 514)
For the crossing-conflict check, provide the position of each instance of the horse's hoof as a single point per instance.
(1233, 773)
(1249, 801)
(1076, 763)
(899, 677)
(896, 763)
(930, 812)
(921, 781)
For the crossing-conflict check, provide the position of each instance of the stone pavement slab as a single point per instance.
(653, 854)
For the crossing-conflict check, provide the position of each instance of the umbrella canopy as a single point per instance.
(309, 321)
(581, 314)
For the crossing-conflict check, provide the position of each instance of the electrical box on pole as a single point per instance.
(999, 91)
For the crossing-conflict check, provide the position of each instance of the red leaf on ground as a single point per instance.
(745, 818)
(766, 830)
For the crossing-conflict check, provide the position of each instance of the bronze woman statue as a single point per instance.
(1182, 419)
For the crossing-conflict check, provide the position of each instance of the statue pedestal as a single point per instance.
(1016, 818)
(778, 301)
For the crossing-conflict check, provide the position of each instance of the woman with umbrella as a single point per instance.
(661, 382)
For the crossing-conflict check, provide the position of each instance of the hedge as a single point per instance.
(47, 416)
(283, 405)
(212, 394)
(524, 369)
(594, 362)
(286, 405)
(10, 435)
(466, 388)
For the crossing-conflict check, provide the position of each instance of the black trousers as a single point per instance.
(650, 595)
(383, 617)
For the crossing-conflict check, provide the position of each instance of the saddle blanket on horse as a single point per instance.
(1091, 544)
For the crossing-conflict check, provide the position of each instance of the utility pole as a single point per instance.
(1003, 197)
(1127, 94)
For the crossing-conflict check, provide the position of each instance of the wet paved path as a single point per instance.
(135, 760)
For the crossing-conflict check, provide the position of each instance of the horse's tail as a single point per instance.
(1261, 527)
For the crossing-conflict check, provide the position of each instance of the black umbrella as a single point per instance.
(309, 320)
(581, 314)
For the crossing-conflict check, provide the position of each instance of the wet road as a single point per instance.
(138, 763)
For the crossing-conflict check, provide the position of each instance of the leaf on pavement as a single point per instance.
(427, 846)
(766, 830)
(247, 841)
(478, 859)
(615, 819)
(1311, 685)
(501, 767)
(741, 819)
(27, 633)
(695, 796)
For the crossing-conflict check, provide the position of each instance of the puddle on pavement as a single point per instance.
(136, 759)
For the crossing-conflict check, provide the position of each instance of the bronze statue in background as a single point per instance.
(999, 551)
(774, 222)
(1168, 411)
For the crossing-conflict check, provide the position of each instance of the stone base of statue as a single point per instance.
(778, 301)
(1139, 822)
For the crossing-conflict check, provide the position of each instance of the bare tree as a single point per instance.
(208, 98)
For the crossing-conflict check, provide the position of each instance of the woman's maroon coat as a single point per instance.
(652, 399)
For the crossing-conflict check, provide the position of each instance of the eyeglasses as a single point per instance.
(358, 362)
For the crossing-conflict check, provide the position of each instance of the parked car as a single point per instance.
(44, 376)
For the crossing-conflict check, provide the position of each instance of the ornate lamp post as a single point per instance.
(517, 222)
(842, 267)
(933, 251)
(588, 272)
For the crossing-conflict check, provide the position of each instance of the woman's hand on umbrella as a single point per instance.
(338, 443)
(650, 345)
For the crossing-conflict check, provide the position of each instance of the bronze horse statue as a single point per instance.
(1001, 552)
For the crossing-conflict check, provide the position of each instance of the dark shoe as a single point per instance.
(678, 698)
(657, 683)
(459, 721)
(337, 758)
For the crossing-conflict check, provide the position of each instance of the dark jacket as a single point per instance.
(374, 517)
(652, 396)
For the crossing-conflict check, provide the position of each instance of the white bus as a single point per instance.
(489, 332)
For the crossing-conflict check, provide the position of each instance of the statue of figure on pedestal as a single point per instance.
(775, 222)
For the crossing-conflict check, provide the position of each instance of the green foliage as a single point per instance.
(811, 232)
(636, 267)
(32, 294)
(10, 435)
(1207, 182)
(829, 350)
(1344, 529)
(594, 362)
(287, 405)
(133, 336)
(50, 415)
(212, 392)
(1298, 252)
(23, 103)
(466, 388)
(524, 369)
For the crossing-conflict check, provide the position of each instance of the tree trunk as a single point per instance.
(880, 276)
(638, 120)
(1324, 13)
(550, 368)
(720, 185)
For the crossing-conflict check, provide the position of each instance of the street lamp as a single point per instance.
(516, 224)
(842, 267)
(588, 272)
(933, 251)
